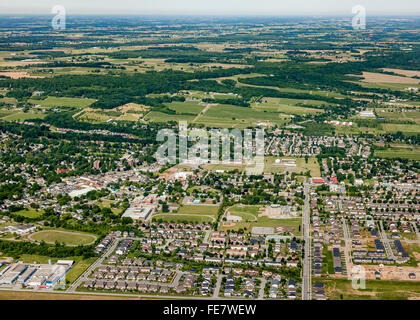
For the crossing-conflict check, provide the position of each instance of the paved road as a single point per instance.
(416, 230)
(306, 222)
(347, 248)
(92, 267)
(217, 287)
(146, 296)
(261, 292)
(385, 241)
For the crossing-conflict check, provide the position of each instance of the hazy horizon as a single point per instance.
(215, 7)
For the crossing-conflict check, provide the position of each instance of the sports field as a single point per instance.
(66, 237)
(270, 166)
(196, 214)
(250, 219)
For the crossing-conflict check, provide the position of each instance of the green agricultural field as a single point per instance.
(389, 114)
(185, 107)
(404, 153)
(5, 113)
(228, 116)
(51, 102)
(22, 116)
(66, 237)
(375, 290)
(389, 86)
(290, 106)
(156, 116)
(412, 129)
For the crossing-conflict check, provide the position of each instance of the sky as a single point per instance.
(213, 7)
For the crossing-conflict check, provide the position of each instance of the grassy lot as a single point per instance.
(29, 213)
(51, 102)
(271, 167)
(78, 268)
(265, 222)
(250, 219)
(375, 290)
(22, 295)
(327, 263)
(66, 237)
(247, 213)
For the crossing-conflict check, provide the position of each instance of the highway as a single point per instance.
(307, 268)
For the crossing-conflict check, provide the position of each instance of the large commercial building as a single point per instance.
(36, 275)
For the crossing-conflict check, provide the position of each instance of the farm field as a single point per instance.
(21, 116)
(22, 295)
(411, 129)
(156, 116)
(66, 237)
(372, 77)
(390, 86)
(408, 73)
(290, 106)
(399, 152)
(228, 116)
(375, 290)
(185, 107)
(389, 114)
(51, 102)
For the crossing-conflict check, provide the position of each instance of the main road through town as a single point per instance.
(306, 222)
(85, 274)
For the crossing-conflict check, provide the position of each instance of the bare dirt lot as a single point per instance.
(391, 272)
(408, 73)
(372, 77)
(18, 75)
(14, 295)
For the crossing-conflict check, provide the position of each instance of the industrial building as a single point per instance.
(35, 275)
